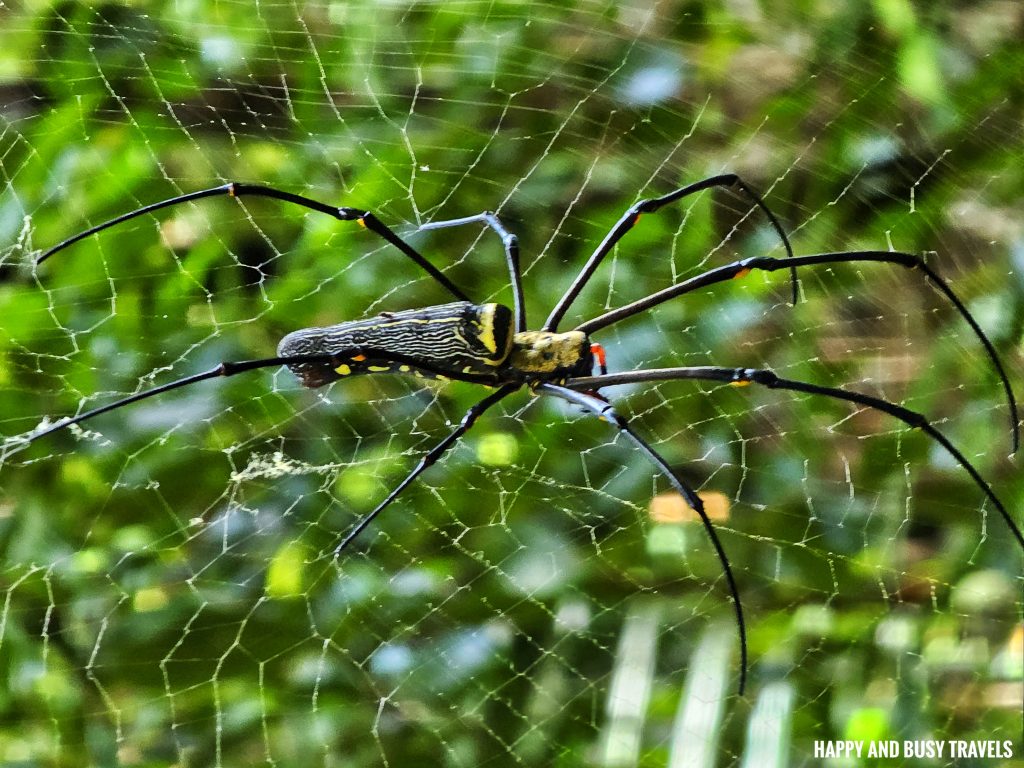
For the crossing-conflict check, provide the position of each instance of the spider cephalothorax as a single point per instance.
(549, 355)
(489, 344)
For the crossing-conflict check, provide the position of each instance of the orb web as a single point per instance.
(170, 586)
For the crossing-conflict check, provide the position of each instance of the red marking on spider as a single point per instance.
(602, 362)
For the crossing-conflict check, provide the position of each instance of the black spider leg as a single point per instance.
(632, 216)
(428, 460)
(772, 381)
(234, 189)
(596, 406)
(741, 268)
(511, 244)
(226, 369)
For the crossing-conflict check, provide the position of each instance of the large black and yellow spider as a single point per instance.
(489, 344)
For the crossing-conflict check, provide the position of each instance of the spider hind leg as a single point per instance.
(235, 189)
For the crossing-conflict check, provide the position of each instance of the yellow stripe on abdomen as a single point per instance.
(487, 328)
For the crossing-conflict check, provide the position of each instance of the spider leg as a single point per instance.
(511, 243)
(768, 379)
(226, 369)
(429, 459)
(223, 370)
(632, 216)
(234, 189)
(741, 268)
(604, 411)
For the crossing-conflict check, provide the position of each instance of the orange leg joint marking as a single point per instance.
(231, 190)
(742, 273)
(602, 362)
(361, 222)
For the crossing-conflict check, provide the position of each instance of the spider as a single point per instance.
(489, 344)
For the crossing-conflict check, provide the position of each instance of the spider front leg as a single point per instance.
(630, 218)
(511, 244)
(743, 267)
(235, 189)
(766, 378)
(601, 408)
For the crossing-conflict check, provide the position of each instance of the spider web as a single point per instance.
(536, 598)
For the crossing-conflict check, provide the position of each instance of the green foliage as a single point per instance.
(170, 596)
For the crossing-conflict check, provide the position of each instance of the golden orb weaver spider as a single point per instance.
(489, 344)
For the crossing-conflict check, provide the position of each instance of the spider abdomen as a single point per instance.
(456, 339)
